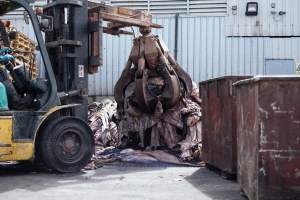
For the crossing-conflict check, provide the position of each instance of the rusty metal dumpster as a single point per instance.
(268, 121)
(219, 123)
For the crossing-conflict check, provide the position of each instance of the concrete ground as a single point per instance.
(118, 183)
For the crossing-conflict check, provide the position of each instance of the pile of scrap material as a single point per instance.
(158, 105)
(111, 146)
(100, 120)
(144, 157)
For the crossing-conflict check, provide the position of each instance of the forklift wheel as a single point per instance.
(66, 145)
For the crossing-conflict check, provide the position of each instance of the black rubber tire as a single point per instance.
(53, 145)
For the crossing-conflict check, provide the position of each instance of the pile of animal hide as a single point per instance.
(177, 129)
(156, 107)
(110, 139)
(100, 120)
(158, 104)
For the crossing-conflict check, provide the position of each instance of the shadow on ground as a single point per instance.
(214, 186)
(150, 182)
(14, 177)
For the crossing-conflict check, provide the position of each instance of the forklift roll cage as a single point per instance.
(53, 99)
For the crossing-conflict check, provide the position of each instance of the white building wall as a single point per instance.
(275, 18)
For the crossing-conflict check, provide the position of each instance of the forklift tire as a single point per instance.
(66, 145)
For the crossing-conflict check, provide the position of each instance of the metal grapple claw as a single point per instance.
(157, 81)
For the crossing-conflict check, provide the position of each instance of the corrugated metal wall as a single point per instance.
(204, 51)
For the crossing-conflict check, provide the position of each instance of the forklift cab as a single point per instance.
(25, 51)
(51, 129)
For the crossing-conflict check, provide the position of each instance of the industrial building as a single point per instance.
(211, 39)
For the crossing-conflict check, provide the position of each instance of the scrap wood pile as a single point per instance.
(156, 107)
(24, 49)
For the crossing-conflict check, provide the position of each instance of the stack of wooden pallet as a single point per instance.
(24, 49)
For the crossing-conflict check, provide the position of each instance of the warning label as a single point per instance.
(81, 71)
(298, 69)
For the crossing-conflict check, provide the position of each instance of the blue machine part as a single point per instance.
(3, 98)
(5, 50)
(6, 58)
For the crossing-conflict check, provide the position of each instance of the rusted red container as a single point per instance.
(268, 118)
(219, 123)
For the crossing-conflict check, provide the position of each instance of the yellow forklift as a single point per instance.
(44, 118)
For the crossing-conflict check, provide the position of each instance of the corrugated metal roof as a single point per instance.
(194, 7)
(199, 7)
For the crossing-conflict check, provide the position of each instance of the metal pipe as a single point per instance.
(176, 36)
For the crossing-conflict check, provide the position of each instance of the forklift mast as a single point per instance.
(68, 49)
(75, 43)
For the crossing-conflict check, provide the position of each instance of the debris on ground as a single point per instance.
(148, 158)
